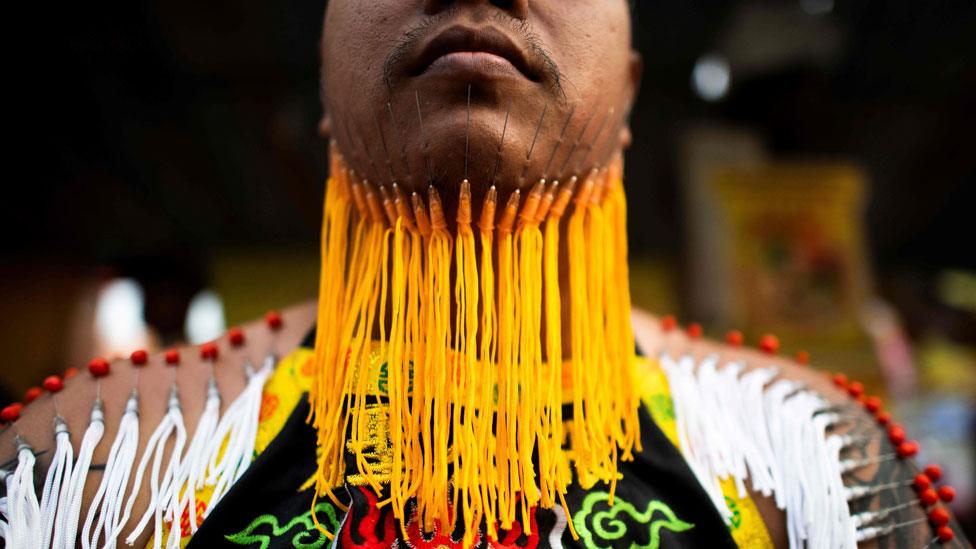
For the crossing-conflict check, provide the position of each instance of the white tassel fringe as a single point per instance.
(56, 484)
(107, 504)
(93, 435)
(238, 427)
(23, 509)
(771, 433)
(161, 492)
(190, 475)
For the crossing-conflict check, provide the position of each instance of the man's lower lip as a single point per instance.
(473, 65)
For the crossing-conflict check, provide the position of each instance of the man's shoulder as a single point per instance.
(152, 381)
(182, 366)
(655, 335)
(860, 420)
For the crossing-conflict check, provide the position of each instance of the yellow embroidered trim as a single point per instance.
(294, 375)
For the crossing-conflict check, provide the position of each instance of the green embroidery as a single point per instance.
(382, 382)
(736, 521)
(661, 407)
(309, 537)
(383, 378)
(600, 528)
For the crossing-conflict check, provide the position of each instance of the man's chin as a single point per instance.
(456, 147)
(431, 134)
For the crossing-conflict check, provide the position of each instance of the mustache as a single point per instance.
(524, 36)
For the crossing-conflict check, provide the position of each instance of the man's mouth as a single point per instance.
(474, 52)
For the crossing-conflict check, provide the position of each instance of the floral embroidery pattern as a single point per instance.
(185, 518)
(269, 405)
(265, 529)
(600, 526)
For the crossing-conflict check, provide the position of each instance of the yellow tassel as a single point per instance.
(470, 325)
(528, 359)
(555, 475)
(487, 468)
(467, 460)
(397, 366)
(507, 404)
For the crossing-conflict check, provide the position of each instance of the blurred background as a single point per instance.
(802, 167)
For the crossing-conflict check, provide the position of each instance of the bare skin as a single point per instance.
(571, 59)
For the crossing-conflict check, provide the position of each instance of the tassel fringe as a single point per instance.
(739, 426)
(93, 435)
(470, 322)
(232, 445)
(23, 509)
(106, 506)
(56, 485)
(192, 470)
(162, 492)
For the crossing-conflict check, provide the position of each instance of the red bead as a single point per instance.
(840, 380)
(99, 367)
(803, 357)
(734, 338)
(934, 472)
(939, 516)
(53, 384)
(694, 330)
(872, 404)
(209, 351)
(855, 389)
(32, 394)
(10, 413)
(70, 373)
(907, 449)
(928, 497)
(947, 493)
(273, 319)
(896, 434)
(883, 417)
(921, 482)
(945, 534)
(769, 344)
(236, 336)
(139, 358)
(172, 357)
(668, 323)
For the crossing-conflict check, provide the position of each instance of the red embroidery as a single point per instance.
(367, 527)
(185, 518)
(514, 538)
(436, 539)
(510, 539)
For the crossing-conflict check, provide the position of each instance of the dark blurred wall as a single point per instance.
(898, 97)
(166, 128)
(149, 134)
(150, 126)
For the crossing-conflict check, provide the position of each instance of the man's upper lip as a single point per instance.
(464, 39)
